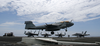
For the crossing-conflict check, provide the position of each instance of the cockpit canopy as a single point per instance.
(63, 21)
(59, 23)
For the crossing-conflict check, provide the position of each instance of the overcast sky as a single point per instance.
(84, 13)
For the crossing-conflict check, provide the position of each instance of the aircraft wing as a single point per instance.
(43, 34)
(76, 34)
(35, 34)
(52, 27)
(63, 34)
(56, 34)
(49, 34)
(87, 34)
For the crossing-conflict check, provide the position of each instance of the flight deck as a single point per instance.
(16, 40)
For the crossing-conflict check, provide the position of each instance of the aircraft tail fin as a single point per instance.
(29, 25)
(85, 32)
(25, 32)
(38, 32)
(82, 32)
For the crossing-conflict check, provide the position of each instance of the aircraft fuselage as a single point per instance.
(48, 27)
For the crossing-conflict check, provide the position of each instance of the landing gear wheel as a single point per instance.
(66, 30)
(42, 29)
(28, 35)
(52, 32)
(44, 35)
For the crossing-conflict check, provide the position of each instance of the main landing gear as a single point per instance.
(52, 32)
(66, 29)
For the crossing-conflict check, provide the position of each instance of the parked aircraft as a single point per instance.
(60, 34)
(8, 34)
(81, 34)
(49, 27)
(46, 34)
(31, 34)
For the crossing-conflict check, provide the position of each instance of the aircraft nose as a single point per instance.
(72, 24)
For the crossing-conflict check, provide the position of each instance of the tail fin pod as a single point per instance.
(29, 24)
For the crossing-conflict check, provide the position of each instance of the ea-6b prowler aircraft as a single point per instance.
(49, 27)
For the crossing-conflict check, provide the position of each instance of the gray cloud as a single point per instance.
(9, 24)
(54, 10)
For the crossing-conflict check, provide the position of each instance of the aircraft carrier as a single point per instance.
(15, 41)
